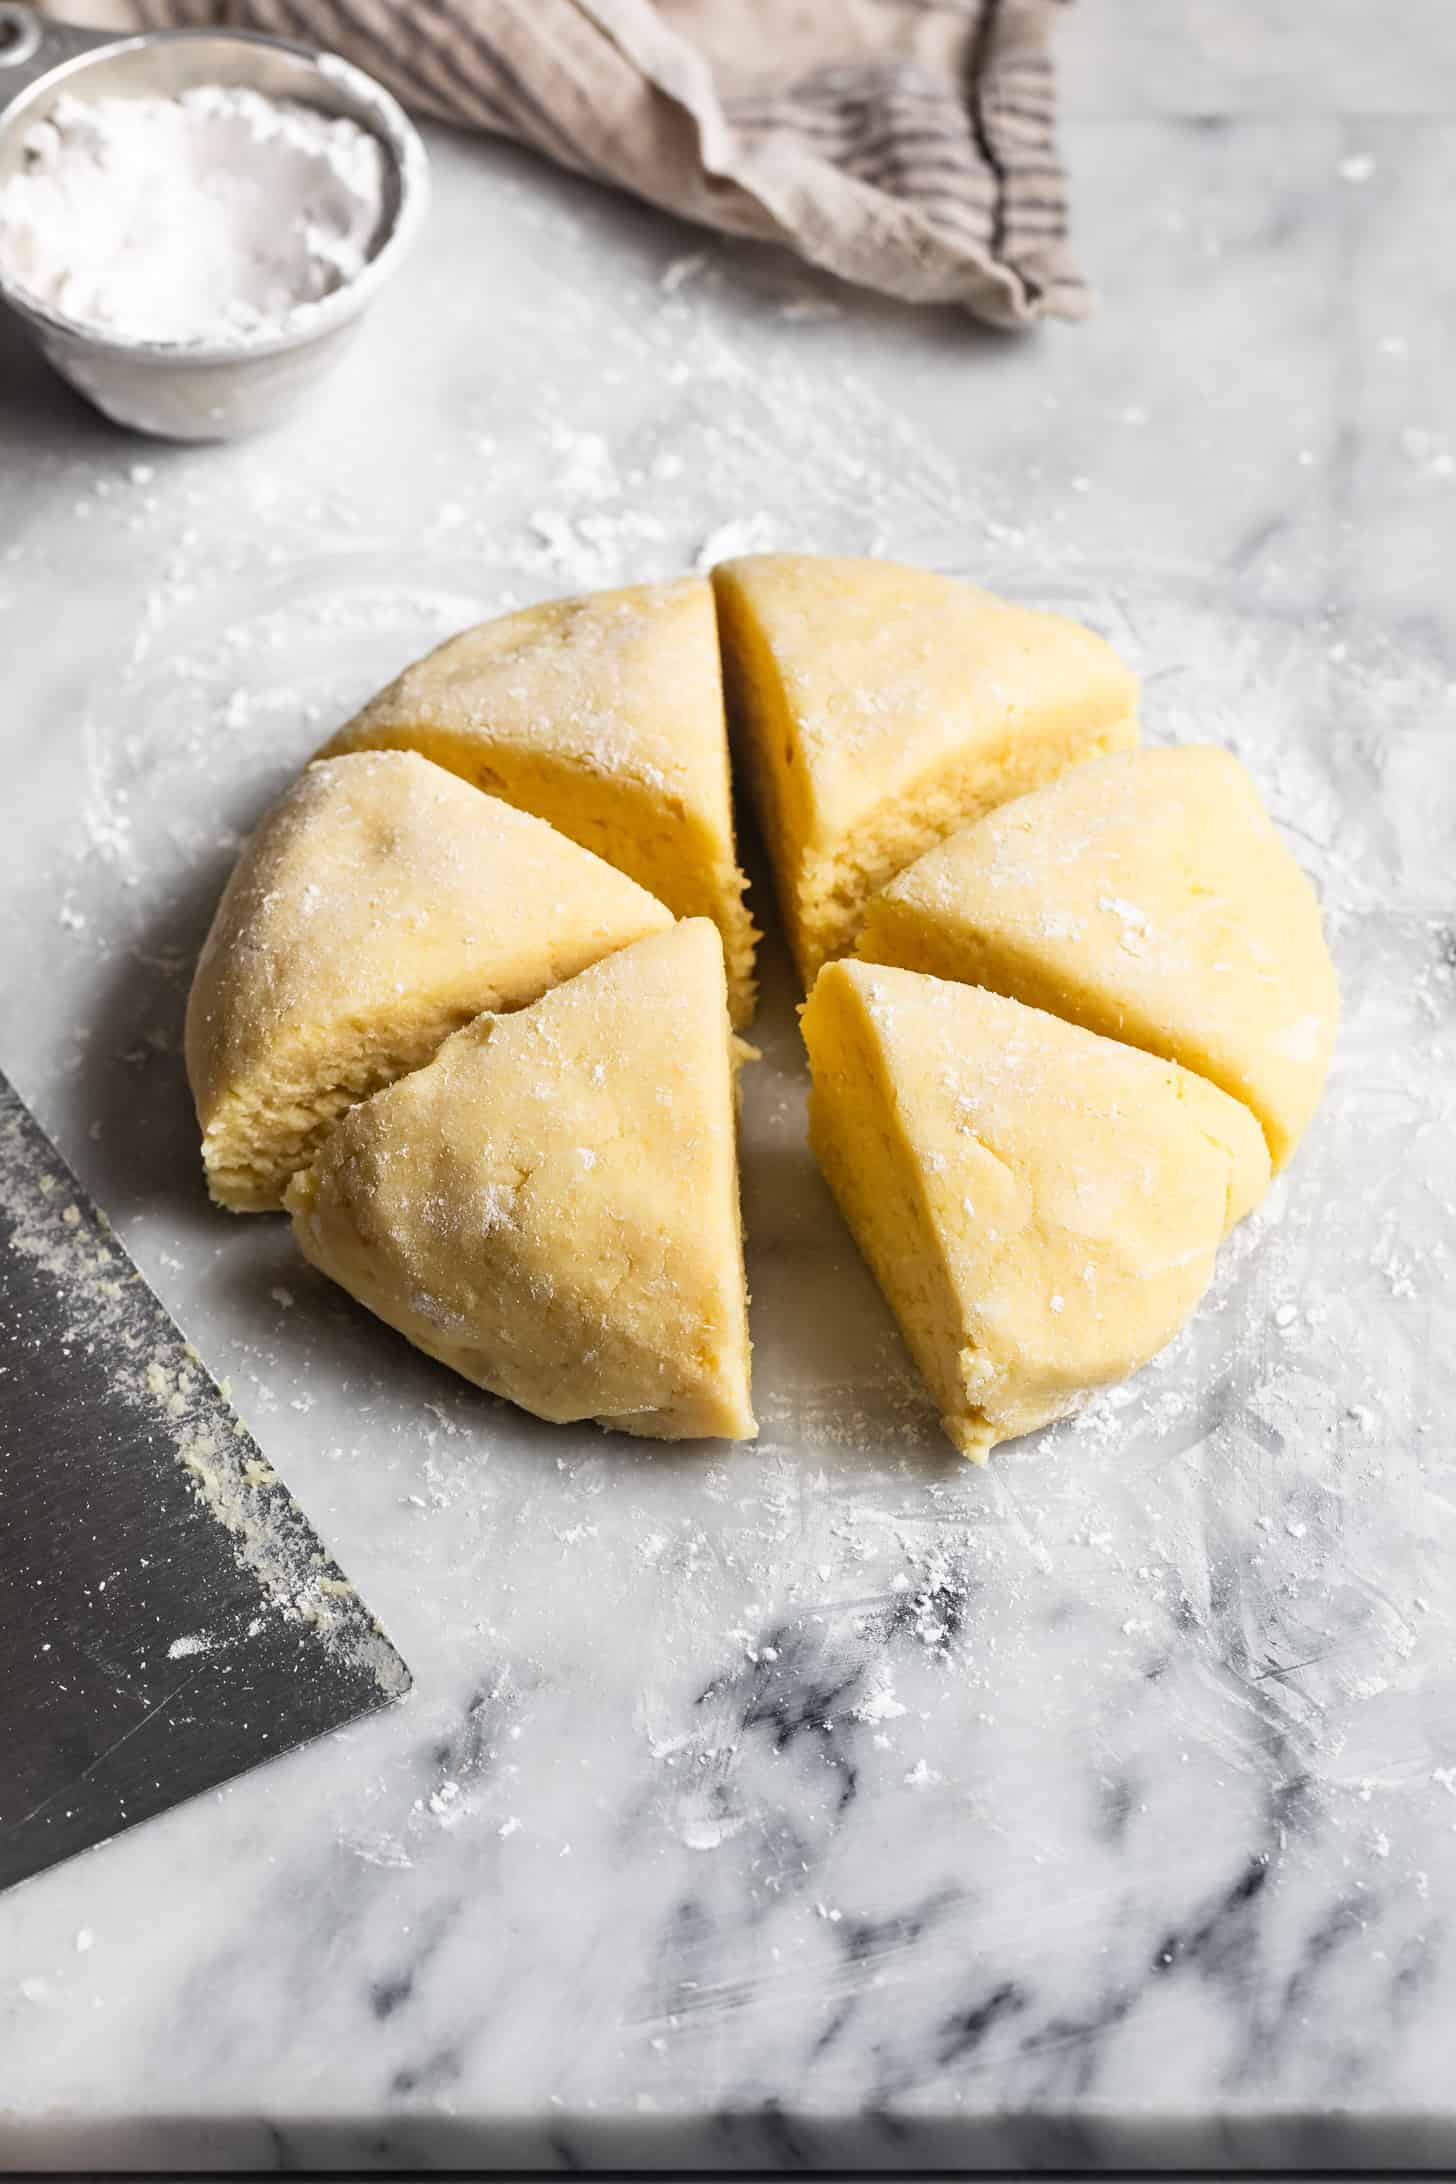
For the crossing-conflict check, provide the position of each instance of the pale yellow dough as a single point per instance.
(1146, 896)
(603, 714)
(877, 708)
(551, 1206)
(1041, 1206)
(380, 905)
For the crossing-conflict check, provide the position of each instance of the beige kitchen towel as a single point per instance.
(908, 145)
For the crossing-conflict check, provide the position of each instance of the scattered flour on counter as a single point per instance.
(709, 1831)
(291, 611)
(1189, 1532)
(879, 1702)
(584, 466)
(217, 216)
(744, 535)
(588, 552)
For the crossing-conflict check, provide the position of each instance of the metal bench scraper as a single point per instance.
(168, 1617)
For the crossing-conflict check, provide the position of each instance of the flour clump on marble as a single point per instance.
(216, 216)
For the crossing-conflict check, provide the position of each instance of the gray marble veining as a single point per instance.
(825, 1800)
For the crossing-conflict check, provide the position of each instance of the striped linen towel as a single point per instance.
(908, 145)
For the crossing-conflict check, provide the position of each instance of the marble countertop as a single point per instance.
(822, 1801)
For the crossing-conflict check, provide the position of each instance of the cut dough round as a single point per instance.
(878, 708)
(444, 1013)
(1146, 896)
(380, 905)
(1041, 1206)
(551, 1206)
(603, 714)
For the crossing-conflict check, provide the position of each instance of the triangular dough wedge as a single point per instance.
(603, 714)
(1148, 897)
(551, 1207)
(1040, 1206)
(879, 708)
(380, 905)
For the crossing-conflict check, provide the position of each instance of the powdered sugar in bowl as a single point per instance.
(193, 222)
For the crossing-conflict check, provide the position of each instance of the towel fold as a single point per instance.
(907, 145)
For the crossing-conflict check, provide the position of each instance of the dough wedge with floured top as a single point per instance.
(877, 708)
(380, 905)
(1146, 896)
(551, 1206)
(604, 715)
(1041, 1206)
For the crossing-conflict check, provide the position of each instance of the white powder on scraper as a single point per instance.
(216, 216)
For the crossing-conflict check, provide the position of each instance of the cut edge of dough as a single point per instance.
(822, 897)
(851, 1107)
(264, 1133)
(838, 886)
(896, 935)
(753, 689)
(853, 1124)
(615, 816)
(718, 1403)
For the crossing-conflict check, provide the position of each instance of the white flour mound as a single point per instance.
(212, 217)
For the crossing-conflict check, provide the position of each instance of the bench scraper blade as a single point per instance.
(168, 1617)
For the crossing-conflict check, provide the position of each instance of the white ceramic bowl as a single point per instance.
(185, 391)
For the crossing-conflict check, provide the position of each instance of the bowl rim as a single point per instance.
(388, 122)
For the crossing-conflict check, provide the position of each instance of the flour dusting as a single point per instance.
(214, 217)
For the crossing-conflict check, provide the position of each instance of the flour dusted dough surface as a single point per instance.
(880, 707)
(381, 905)
(604, 715)
(1147, 896)
(500, 1077)
(551, 1206)
(1041, 1206)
